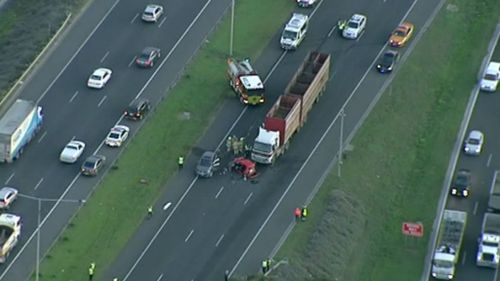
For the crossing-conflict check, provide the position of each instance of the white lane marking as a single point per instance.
(219, 240)
(162, 21)
(248, 198)
(136, 15)
(73, 97)
(38, 184)
(102, 100)
(9, 178)
(42, 136)
(312, 152)
(173, 48)
(132, 61)
(66, 66)
(166, 206)
(218, 193)
(159, 277)
(273, 68)
(463, 257)
(105, 56)
(489, 160)
(332, 30)
(189, 235)
(475, 208)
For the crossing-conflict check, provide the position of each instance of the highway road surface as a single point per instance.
(108, 34)
(225, 223)
(484, 118)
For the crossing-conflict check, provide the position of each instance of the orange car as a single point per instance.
(401, 34)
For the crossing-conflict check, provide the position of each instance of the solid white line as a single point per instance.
(489, 160)
(174, 47)
(162, 21)
(105, 56)
(274, 66)
(42, 136)
(475, 208)
(159, 277)
(69, 62)
(9, 178)
(132, 61)
(102, 100)
(219, 240)
(136, 15)
(73, 97)
(248, 198)
(332, 30)
(218, 193)
(38, 184)
(189, 235)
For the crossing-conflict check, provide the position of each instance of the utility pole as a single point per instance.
(232, 29)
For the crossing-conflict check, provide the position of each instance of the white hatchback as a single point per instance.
(72, 151)
(99, 78)
(354, 27)
(474, 143)
(117, 135)
(152, 13)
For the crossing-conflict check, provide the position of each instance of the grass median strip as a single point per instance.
(105, 224)
(396, 170)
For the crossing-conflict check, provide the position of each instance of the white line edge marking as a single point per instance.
(38, 184)
(162, 21)
(136, 15)
(102, 100)
(476, 204)
(9, 178)
(489, 160)
(219, 240)
(132, 61)
(69, 62)
(159, 277)
(73, 97)
(332, 30)
(248, 198)
(42, 136)
(218, 193)
(189, 235)
(105, 56)
(314, 149)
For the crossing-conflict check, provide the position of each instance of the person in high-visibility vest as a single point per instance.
(304, 213)
(229, 143)
(180, 162)
(150, 211)
(91, 271)
(115, 279)
(264, 266)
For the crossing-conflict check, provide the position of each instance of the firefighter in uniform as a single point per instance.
(180, 162)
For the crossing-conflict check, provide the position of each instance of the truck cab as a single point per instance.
(488, 253)
(294, 32)
(443, 264)
(265, 145)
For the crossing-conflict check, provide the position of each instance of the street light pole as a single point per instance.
(232, 29)
(341, 140)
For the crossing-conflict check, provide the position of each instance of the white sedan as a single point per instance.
(72, 151)
(474, 143)
(99, 78)
(117, 135)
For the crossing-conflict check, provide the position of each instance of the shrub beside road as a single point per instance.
(105, 224)
(400, 157)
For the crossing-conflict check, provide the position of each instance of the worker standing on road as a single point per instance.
(297, 213)
(304, 213)
(150, 211)
(229, 143)
(115, 279)
(268, 265)
(241, 145)
(248, 151)
(236, 146)
(180, 162)
(264, 266)
(91, 271)
(226, 275)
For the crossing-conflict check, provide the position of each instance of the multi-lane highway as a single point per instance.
(224, 223)
(484, 118)
(108, 34)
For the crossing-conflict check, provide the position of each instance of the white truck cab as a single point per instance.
(491, 77)
(266, 143)
(294, 32)
(354, 27)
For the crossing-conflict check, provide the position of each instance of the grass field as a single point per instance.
(26, 26)
(105, 224)
(355, 233)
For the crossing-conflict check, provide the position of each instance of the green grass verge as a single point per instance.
(400, 157)
(104, 225)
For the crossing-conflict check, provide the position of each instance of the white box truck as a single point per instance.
(488, 252)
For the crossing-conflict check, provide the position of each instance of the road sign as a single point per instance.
(413, 229)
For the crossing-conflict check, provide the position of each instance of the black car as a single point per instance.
(461, 184)
(137, 109)
(93, 164)
(387, 62)
(148, 57)
(208, 163)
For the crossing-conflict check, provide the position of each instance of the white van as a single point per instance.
(294, 32)
(491, 77)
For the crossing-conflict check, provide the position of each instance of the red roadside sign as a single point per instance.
(413, 229)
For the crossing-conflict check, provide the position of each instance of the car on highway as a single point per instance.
(208, 163)
(401, 35)
(152, 13)
(387, 61)
(489, 82)
(72, 151)
(92, 165)
(306, 3)
(473, 144)
(7, 196)
(354, 27)
(99, 78)
(462, 183)
(148, 57)
(137, 109)
(117, 135)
